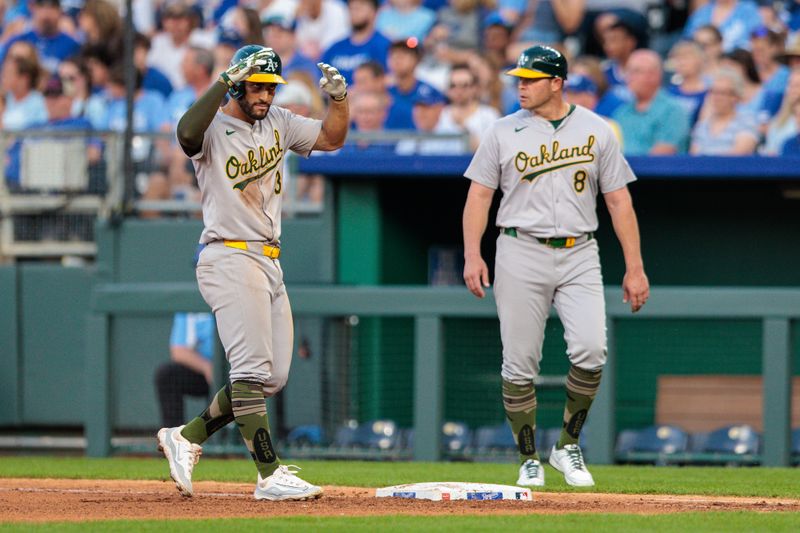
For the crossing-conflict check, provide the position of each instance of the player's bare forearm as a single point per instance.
(193, 360)
(194, 123)
(476, 216)
(635, 285)
(334, 126)
(623, 217)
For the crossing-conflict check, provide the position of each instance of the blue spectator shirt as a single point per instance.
(708, 143)
(774, 88)
(617, 90)
(52, 50)
(792, 146)
(691, 102)
(177, 104)
(148, 113)
(21, 114)
(664, 121)
(608, 103)
(155, 80)
(736, 29)
(396, 25)
(755, 107)
(301, 63)
(19, 8)
(346, 56)
(399, 117)
(613, 73)
(195, 331)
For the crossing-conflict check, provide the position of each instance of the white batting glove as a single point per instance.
(332, 82)
(244, 68)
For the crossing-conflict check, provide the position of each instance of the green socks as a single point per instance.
(581, 389)
(216, 416)
(250, 411)
(244, 402)
(520, 405)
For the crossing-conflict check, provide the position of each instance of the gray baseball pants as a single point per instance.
(529, 277)
(254, 319)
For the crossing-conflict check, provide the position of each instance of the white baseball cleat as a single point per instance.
(182, 456)
(531, 474)
(569, 461)
(283, 484)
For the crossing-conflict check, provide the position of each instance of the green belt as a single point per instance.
(553, 242)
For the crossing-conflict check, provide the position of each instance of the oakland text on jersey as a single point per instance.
(250, 165)
(554, 158)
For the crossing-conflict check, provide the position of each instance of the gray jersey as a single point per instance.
(240, 173)
(550, 177)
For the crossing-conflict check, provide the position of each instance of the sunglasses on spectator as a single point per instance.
(460, 85)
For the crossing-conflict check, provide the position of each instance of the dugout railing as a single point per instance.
(776, 308)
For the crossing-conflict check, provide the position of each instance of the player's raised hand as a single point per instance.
(476, 275)
(635, 289)
(250, 64)
(332, 82)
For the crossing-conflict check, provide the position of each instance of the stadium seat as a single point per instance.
(406, 438)
(494, 438)
(346, 434)
(661, 439)
(456, 436)
(625, 441)
(380, 434)
(739, 440)
(697, 441)
(308, 435)
(549, 439)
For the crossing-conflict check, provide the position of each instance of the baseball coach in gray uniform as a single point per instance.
(238, 152)
(550, 159)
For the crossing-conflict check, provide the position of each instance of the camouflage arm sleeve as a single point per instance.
(193, 124)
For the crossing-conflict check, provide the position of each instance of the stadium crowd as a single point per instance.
(704, 77)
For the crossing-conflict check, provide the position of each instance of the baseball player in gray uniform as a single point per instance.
(550, 159)
(238, 152)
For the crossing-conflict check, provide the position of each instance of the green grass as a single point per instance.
(597, 523)
(764, 482)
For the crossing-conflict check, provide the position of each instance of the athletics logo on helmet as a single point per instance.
(267, 73)
(540, 62)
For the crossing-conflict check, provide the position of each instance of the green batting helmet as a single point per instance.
(268, 73)
(540, 62)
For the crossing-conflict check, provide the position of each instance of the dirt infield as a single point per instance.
(42, 500)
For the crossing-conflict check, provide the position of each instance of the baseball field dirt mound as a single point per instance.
(45, 500)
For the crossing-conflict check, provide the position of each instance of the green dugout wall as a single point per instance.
(43, 323)
(695, 233)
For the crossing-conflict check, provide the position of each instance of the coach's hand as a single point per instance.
(635, 289)
(332, 82)
(476, 275)
(247, 66)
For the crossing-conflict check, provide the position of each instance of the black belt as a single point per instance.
(555, 242)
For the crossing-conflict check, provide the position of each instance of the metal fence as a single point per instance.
(55, 184)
